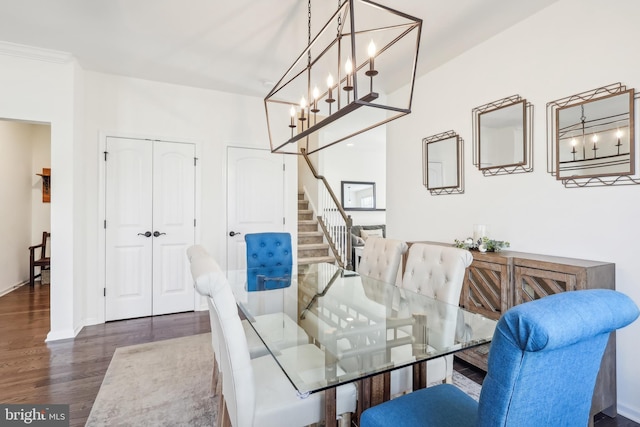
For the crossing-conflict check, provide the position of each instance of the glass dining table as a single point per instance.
(366, 328)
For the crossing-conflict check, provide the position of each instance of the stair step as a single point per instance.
(300, 196)
(305, 215)
(307, 225)
(308, 246)
(309, 237)
(316, 260)
(313, 250)
(310, 233)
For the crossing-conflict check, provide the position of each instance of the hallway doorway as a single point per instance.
(24, 213)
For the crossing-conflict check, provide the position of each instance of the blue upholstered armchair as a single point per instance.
(542, 368)
(269, 260)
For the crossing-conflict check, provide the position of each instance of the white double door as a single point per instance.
(150, 223)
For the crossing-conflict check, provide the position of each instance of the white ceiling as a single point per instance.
(234, 46)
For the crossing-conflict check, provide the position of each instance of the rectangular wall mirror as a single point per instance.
(596, 137)
(501, 136)
(358, 195)
(442, 167)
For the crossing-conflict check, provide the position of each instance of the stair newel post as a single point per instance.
(349, 224)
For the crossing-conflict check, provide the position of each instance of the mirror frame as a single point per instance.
(526, 165)
(631, 135)
(593, 180)
(344, 185)
(459, 146)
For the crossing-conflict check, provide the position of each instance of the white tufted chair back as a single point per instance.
(436, 271)
(207, 276)
(238, 387)
(381, 258)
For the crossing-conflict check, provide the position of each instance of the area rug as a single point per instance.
(168, 383)
(467, 385)
(163, 383)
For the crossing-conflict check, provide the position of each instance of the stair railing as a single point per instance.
(334, 221)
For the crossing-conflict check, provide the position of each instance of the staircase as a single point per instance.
(312, 248)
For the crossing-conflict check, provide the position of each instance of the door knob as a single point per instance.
(146, 234)
(157, 233)
(233, 233)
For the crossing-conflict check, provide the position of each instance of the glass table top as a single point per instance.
(363, 326)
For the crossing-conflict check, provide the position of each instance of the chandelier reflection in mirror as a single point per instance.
(593, 140)
(337, 88)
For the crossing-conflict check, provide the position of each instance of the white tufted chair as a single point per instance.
(206, 275)
(256, 392)
(381, 258)
(438, 272)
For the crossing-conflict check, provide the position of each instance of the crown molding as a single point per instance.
(35, 53)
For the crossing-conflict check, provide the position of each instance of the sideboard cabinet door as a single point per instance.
(532, 283)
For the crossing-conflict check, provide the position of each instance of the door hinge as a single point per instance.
(284, 168)
(105, 155)
(105, 224)
(194, 222)
(104, 292)
(283, 220)
(195, 161)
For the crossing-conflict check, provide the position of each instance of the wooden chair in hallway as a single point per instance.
(42, 262)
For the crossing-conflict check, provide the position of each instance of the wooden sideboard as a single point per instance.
(496, 281)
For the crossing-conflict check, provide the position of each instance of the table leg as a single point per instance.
(419, 375)
(330, 407)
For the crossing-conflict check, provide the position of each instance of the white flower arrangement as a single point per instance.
(483, 245)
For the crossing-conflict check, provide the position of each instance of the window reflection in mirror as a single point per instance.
(442, 163)
(596, 137)
(502, 136)
(357, 195)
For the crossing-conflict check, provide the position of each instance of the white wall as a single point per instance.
(569, 47)
(362, 158)
(15, 194)
(42, 90)
(212, 120)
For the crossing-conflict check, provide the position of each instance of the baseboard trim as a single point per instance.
(632, 413)
(13, 288)
(61, 335)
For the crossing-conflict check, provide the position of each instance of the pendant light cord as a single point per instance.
(309, 33)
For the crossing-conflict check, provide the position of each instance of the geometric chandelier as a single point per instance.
(338, 87)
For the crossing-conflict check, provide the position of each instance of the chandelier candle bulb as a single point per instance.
(348, 68)
(330, 86)
(371, 50)
(303, 106)
(316, 94)
(292, 112)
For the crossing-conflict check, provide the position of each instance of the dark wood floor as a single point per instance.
(71, 371)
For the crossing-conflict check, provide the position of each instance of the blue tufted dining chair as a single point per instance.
(542, 368)
(269, 260)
